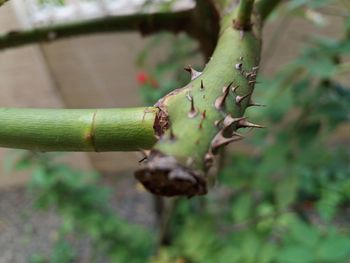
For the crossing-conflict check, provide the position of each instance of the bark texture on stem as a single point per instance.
(86, 130)
(145, 23)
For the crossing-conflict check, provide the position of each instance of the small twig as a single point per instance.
(145, 23)
(244, 12)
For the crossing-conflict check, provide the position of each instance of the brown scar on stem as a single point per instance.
(203, 116)
(163, 175)
(90, 135)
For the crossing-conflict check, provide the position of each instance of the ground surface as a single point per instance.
(24, 232)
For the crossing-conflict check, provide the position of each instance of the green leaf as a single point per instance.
(334, 249)
(286, 191)
(241, 209)
(304, 234)
(295, 254)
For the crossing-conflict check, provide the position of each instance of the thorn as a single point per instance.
(143, 159)
(234, 89)
(204, 114)
(251, 104)
(202, 85)
(217, 123)
(194, 73)
(251, 82)
(246, 124)
(255, 68)
(238, 66)
(220, 101)
(251, 75)
(192, 113)
(239, 99)
(219, 140)
(145, 154)
(240, 58)
(209, 159)
(228, 121)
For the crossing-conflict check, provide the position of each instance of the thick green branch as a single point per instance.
(265, 7)
(244, 13)
(78, 130)
(146, 23)
(204, 115)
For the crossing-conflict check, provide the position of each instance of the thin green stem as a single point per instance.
(128, 129)
(244, 13)
(266, 7)
(145, 23)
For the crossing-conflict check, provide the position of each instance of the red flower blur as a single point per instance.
(144, 78)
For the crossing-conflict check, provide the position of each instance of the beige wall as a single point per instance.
(26, 82)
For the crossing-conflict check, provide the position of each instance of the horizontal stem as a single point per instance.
(146, 23)
(128, 129)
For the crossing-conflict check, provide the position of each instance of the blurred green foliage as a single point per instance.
(286, 200)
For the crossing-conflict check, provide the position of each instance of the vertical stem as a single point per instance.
(244, 12)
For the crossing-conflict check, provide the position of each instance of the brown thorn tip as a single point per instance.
(194, 73)
(220, 101)
(239, 99)
(202, 85)
(219, 140)
(192, 113)
(234, 89)
(246, 124)
(229, 120)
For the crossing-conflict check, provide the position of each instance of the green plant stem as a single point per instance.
(145, 23)
(197, 112)
(244, 12)
(265, 7)
(128, 129)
